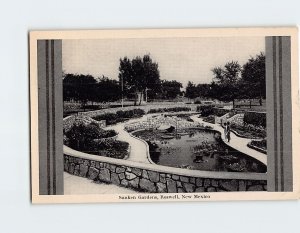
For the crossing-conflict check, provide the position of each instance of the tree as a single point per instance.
(139, 74)
(254, 77)
(107, 90)
(79, 87)
(170, 89)
(226, 81)
(191, 90)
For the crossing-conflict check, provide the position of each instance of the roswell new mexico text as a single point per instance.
(164, 197)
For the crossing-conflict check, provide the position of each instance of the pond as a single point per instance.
(197, 149)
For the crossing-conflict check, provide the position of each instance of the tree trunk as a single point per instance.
(135, 98)
(140, 98)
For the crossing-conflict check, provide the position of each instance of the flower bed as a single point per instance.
(248, 131)
(209, 119)
(260, 145)
(175, 109)
(94, 140)
(120, 116)
(255, 118)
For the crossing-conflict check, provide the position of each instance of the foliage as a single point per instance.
(170, 89)
(260, 144)
(139, 75)
(220, 111)
(111, 148)
(81, 136)
(209, 119)
(175, 109)
(254, 78)
(255, 118)
(205, 110)
(120, 116)
(79, 87)
(249, 131)
(84, 88)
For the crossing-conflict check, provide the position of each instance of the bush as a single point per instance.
(119, 116)
(209, 119)
(111, 118)
(220, 111)
(205, 110)
(175, 109)
(81, 137)
(255, 118)
(111, 148)
(249, 131)
(260, 144)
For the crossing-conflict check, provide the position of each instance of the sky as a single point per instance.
(181, 59)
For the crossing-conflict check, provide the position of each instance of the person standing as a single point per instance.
(225, 131)
(228, 132)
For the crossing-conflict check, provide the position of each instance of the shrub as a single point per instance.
(260, 144)
(111, 118)
(81, 137)
(255, 118)
(119, 116)
(220, 111)
(249, 130)
(209, 119)
(175, 109)
(111, 148)
(205, 110)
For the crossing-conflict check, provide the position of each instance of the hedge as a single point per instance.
(255, 118)
(119, 116)
(205, 110)
(175, 109)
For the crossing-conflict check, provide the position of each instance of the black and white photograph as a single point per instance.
(183, 116)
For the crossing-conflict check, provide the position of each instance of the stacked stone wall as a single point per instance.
(152, 181)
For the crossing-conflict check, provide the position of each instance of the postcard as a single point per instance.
(155, 115)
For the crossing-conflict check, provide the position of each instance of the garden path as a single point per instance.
(236, 142)
(137, 147)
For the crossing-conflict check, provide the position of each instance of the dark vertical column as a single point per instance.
(279, 128)
(50, 117)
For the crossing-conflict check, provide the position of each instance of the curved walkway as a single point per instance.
(236, 142)
(137, 147)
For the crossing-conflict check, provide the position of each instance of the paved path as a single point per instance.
(137, 147)
(236, 142)
(75, 185)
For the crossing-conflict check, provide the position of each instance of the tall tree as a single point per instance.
(226, 81)
(191, 90)
(254, 77)
(79, 87)
(138, 75)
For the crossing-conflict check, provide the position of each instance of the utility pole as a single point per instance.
(122, 92)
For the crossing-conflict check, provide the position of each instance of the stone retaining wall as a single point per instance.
(146, 180)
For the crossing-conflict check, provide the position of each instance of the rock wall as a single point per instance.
(151, 181)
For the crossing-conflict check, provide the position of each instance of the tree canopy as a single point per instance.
(138, 75)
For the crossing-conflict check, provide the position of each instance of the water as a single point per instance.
(197, 149)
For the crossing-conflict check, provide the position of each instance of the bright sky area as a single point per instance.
(181, 59)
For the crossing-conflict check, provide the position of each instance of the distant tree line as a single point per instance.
(141, 75)
(84, 88)
(234, 81)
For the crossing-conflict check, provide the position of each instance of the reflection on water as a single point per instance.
(197, 149)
